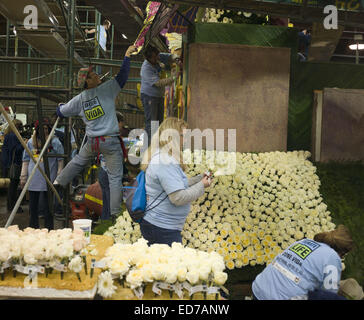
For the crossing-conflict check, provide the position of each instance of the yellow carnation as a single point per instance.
(223, 233)
(260, 260)
(233, 255)
(245, 261)
(246, 243)
(230, 264)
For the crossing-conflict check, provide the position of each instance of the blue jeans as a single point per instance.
(155, 234)
(153, 111)
(111, 150)
(104, 184)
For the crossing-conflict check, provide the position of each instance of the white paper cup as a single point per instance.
(85, 226)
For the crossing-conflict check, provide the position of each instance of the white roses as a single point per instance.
(251, 215)
(139, 263)
(40, 247)
(271, 200)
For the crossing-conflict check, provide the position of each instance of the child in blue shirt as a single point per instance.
(38, 184)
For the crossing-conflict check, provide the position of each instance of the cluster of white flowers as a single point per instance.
(140, 264)
(39, 246)
(124, 230)
(257, 205)
(270, 201)
(212, 15)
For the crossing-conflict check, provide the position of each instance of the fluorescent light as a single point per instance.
(124, 36)
(51, 19)
(359, 46)
(14, 30)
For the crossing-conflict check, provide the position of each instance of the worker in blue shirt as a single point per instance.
(308, 269)
(152, 87)
(96, 106)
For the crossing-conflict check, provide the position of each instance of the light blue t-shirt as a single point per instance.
(102, 36)
(164, 174)
(305, 266)
(97, 108)
(150, 75)
(38, 182)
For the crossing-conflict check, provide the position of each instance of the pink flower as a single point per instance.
(14, 228)
(78, 244)
(78, 233)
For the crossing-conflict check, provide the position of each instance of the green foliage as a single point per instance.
(342, 188)
(102, 227)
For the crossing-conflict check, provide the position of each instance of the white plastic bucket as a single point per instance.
(85, 226)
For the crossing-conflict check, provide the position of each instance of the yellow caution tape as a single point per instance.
(93, 199)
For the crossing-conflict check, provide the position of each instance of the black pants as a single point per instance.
(12, 193)
(153, 111)
(156, 234)
(34, 210)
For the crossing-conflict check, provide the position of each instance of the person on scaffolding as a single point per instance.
(96, 106)
(101, 32)
(101, 38)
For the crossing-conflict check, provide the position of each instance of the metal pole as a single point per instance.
(71, 41)
(28, 65)
(20, 138)
(112, 45)
(357, 53)
(45, 157)
(20, 199)
(7, 36)
(98, 34)
(71, 17)
(33, 60)
(16, 65)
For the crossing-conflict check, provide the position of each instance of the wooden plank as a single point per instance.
(246, 90)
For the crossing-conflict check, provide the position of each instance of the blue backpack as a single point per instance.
(135, 197)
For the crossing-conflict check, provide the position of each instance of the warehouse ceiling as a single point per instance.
(126, 19)
(327, 45)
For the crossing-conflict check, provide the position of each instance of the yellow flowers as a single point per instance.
(246, 243)
(266, 203)
(224, 233)
(230, 264)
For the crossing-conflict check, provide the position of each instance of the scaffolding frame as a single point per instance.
(64, 76)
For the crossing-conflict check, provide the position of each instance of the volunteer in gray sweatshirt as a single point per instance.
(96, 106)
(169, 191)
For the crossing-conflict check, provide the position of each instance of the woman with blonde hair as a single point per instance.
(307, 270)
(169, 191)
(12, 152)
